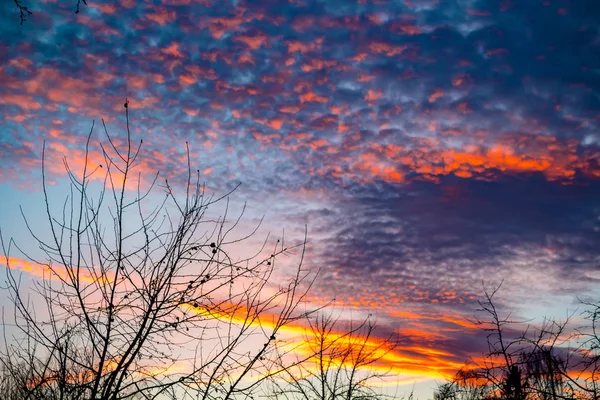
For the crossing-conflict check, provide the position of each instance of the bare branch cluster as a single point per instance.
(336, 361)
(143, 298)
(23, 11)
(526, 362)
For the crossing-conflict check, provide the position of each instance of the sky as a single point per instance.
(430, 147)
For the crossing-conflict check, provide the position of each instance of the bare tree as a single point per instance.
(582, 367)
(542, 369)
(336, 360)
(468, 384)
(522, 362)
(445, 391)
(142, 298)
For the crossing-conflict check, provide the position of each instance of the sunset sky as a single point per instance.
(429, 146)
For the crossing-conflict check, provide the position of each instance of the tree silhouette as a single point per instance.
(526, 362)
(142, 298)
(335, 361)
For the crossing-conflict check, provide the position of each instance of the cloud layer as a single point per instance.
(429, 144)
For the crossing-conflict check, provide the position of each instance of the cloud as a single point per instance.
(434, 242)
(429, 145)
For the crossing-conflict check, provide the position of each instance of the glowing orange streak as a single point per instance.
(45, 271)
(84, 376)
(301, 340)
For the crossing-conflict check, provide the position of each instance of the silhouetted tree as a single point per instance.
(521, 363)
(543, 376)
(445, 391)
(335, 361)
(142, 298)
(582, 367)
(468, 384)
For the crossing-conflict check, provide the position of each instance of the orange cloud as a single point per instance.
(290, 109)
(254, 42)
(313, 97)
(187, 80)
(98, 27)
(360, 57)
(373, 95)
(296, 46)
(172, 50)
(336, 109)
(195, 71)
(275, 123)
(157, 78)
(316, 143)
(162, 16)
(425, 160)
(21, 63)
(78, 95)
(386, 48)
(266, 137)
(47, 271)
(217, 26)
(410, 29)
(137, 82)
(246, 58)
(25, 102)
(105, 8)
(363, 77)
(437, 93)
(315, 64)
(376, 168)
(463, 108)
